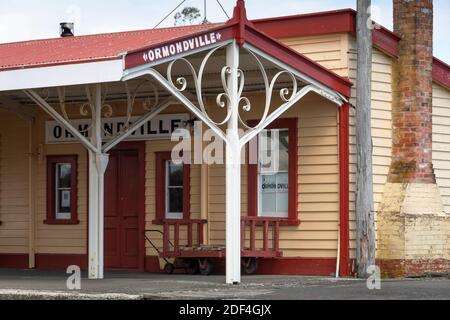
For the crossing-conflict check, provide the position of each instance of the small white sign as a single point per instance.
(160, 128)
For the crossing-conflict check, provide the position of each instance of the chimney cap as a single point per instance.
(67, 29)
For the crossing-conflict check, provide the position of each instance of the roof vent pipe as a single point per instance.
(67, 29)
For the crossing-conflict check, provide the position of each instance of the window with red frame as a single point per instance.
(62, 190)
(272, 182)
(172, 189)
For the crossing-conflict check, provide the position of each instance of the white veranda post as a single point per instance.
(98, 157)
(98, 162)
(233, 173)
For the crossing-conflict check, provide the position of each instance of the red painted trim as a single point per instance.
(186, 192)
(328, 22)
(385, 40)
(160, 177)
(240, 18)
(394, 268)
(13, 261)
(217, 28)
(310, 24)
(252, 190)
(278, 266)
(51, 195)
(160, 190)
(292, 125)
(441, 73)
(297, 266)
(61, 261)
(344, 173)
(341, 21)
(135, 58)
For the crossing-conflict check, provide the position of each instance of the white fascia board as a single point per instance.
(63, 75)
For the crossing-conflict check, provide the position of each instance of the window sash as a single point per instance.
(168, 187)
(60, 214)
(278, 210)
(62, 190)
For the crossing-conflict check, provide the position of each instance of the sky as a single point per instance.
(32, 19)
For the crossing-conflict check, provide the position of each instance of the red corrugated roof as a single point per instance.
(108, 46)
(90, 48)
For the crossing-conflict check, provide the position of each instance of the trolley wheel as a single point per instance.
(169, 268)
(251, 266)
(206, 267)
(192, 266)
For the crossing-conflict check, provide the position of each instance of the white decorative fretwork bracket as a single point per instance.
(151, 104)
(177, 86)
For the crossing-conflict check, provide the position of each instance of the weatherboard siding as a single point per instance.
(14, 206)
(59, 239)
(318, 183)
(328, 50)
(337, 52)
(152, 147)
(441, 142)
(381, 128)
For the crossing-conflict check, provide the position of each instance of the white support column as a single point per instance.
(98, 163)
(102, 163)
(233, 174)
(93, 218)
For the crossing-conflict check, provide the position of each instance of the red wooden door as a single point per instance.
(123, 210)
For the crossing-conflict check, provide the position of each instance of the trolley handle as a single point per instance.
(151, 242)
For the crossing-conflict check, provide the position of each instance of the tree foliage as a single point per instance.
(188, 16)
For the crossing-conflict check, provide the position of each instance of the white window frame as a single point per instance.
(260, 174)
(171, 215)
(62, 215)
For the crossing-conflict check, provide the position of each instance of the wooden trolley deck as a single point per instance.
(259, 238)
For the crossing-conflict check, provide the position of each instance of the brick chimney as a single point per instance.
(412, 235)
(412, 120)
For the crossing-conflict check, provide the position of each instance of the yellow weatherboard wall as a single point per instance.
(318, 181)
(59, 239)
(441, 142)
(13, 184)
(337, 52)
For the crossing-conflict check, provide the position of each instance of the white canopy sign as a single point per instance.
(161, 127)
